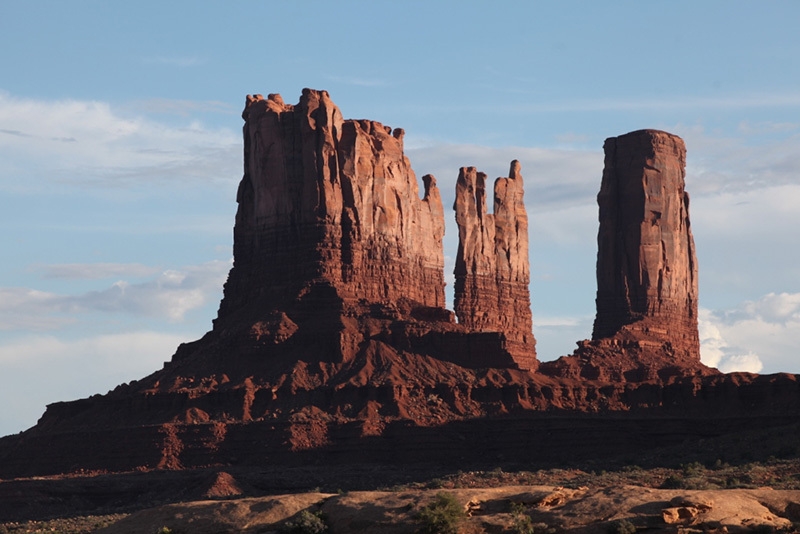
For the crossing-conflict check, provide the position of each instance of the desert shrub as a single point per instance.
(442, 516)
(522, 522)
(693, 469)
(623, 526)
(672, 482)
(307, 523)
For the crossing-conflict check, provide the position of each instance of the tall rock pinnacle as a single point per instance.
(646, 323)
(646, 263)
(492, 268)
(330, 206)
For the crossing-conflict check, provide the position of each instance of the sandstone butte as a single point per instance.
(333, 344)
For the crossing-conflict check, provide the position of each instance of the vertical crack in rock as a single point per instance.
(492, 270)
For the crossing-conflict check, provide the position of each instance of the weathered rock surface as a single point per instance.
(646, 323)
(646, 262)
(334, 250)
(333, 346)
(492, 270)
(332, 202)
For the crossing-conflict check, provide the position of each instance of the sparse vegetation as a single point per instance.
(307, 523)
(623, 526)
(69, 525)
(522, 522)
(442, 516)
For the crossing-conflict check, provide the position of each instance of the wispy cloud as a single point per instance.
(183, 108)
(725, 102)
(88, 142)
(170, 294)
(554, 178)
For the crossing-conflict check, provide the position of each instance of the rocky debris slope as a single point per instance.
(646, 323)
(492, 271)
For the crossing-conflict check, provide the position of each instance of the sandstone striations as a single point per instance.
(330, 202)
(333, 345)
(335, 253)
(646, 323)
(492, 270)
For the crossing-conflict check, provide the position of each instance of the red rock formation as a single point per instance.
(331, 349)
(646, 323)
(330, 206)
(492, 268)
(646, 262)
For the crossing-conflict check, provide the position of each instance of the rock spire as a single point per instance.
(646, 323)
(492, 270)
(646, 262)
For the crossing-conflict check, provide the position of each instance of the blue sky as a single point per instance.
(120, 153)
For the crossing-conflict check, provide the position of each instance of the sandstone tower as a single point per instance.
(330, 207)
(336, 254)
(646, 322)
(646, 262)
(492, 270)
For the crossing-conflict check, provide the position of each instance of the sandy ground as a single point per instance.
(490, 510)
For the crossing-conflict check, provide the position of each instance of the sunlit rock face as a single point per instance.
(332, 206)
(492, 269)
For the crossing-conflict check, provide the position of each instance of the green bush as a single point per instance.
(307, 523)
(522, 522)
(442, 516)
(623, 526)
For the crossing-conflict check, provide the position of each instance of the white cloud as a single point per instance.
(761, 335)
(38, 370)
(766, 156)
(749, 362)
(89, 142)
(170, 295)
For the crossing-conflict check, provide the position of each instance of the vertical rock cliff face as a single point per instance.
(330, 207)
(646, 263)
(646, 323)
(492, 268)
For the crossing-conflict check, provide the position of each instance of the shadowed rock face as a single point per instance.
(646, 323)
(492, 268)
(646, 262)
